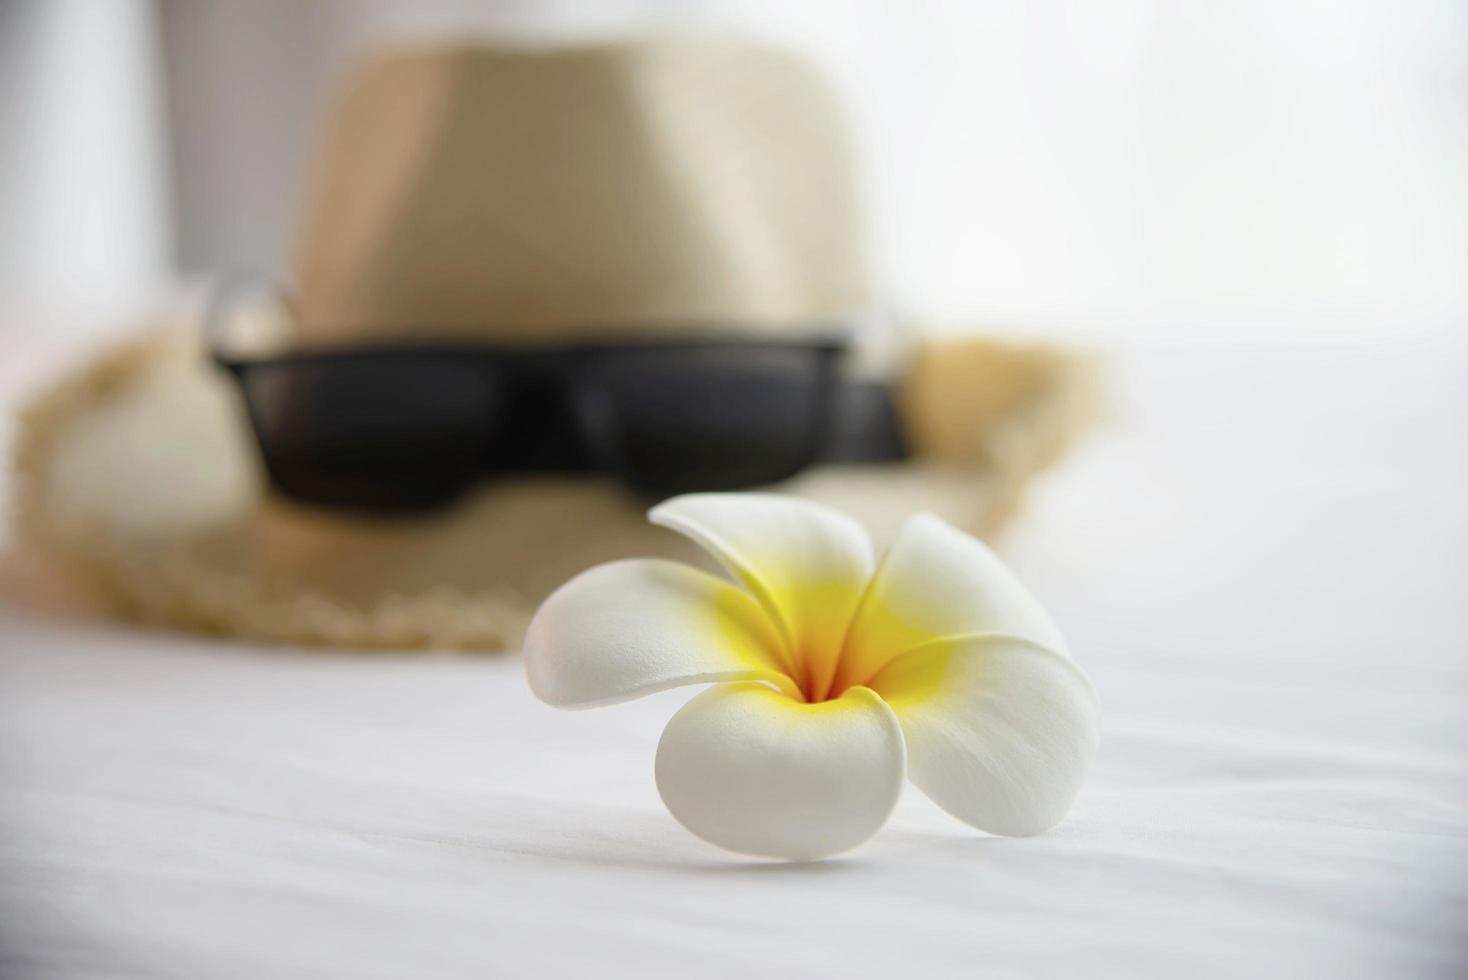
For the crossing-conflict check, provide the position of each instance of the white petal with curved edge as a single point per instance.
(629, 628)
(806, 564)
(937, 581)
(748, 769)
(1000, 732)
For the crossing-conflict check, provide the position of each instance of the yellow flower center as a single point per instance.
(820, 636)
(837, 643)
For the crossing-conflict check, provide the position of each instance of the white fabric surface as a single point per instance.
(1260, 562)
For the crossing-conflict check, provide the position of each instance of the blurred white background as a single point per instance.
(1282, 169)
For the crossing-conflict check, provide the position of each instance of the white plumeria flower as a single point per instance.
(834, 677)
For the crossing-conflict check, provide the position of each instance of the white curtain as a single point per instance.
(84, 219)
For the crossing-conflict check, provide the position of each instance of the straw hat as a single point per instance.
(515, 196)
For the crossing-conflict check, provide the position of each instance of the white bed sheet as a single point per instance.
(1260, 561)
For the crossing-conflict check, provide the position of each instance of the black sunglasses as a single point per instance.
(406, 428)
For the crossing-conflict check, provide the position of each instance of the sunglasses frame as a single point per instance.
(559, 365)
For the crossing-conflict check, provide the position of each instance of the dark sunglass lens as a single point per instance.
(375, 432)
(706, 418)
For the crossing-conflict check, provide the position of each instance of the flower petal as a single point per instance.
(629, 628)
(807, 565)
(937, 581)
(748, 769)
(1000, 732)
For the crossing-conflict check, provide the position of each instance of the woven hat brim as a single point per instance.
(136, 475)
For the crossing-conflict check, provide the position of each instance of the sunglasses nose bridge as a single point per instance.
(536, 428)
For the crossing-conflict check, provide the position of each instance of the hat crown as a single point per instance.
(526, 195)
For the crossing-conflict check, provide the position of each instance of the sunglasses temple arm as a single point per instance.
(223, 300)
